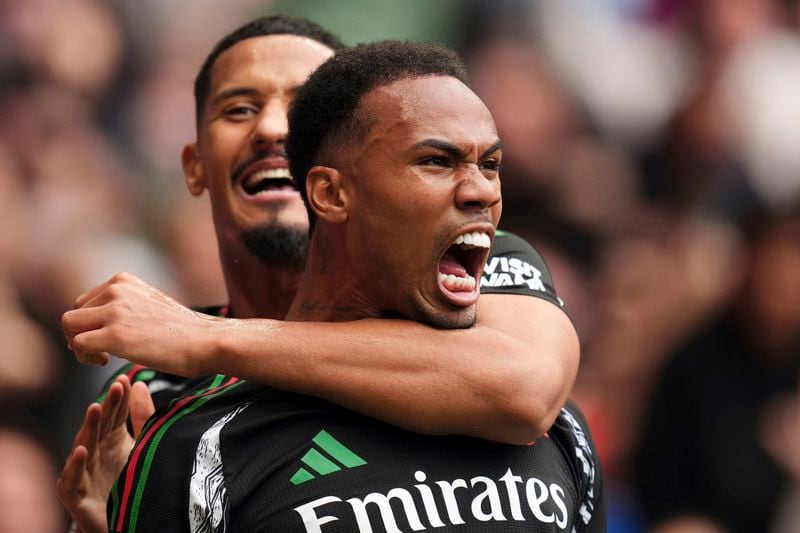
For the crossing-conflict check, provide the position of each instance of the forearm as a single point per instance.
(502, 383)
(503, 380)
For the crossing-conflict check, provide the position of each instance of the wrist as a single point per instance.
(208, 345)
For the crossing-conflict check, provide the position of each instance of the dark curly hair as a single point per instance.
(274, 25)
(324, 110)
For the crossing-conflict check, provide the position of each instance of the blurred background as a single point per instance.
(652, 153)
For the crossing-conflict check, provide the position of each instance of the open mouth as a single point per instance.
(461, 264)
(263, 182)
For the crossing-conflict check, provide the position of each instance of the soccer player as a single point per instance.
(503, 380)
(399, 160)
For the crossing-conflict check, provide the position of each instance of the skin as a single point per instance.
(243, 128)
(403, 372)
(91, 469)
(379, 184)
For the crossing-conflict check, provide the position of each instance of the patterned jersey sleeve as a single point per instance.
(153, 491)
(572, 430)
(515, 267)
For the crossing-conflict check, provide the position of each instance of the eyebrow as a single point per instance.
(233, 92)
(246, 91)
(454, 151)
(498, 144)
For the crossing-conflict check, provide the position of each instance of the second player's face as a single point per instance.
(240, 149)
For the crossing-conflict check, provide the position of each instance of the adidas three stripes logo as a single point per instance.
(335, 454)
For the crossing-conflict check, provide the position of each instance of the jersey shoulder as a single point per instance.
(514, 266)
(165, 457)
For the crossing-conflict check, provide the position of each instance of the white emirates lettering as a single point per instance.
(487, 501)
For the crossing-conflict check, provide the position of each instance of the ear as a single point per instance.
(193, 169)
(327, 196)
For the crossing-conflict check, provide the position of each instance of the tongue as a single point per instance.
(450, 265)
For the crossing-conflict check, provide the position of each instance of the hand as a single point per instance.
(99, 452)
(133, 320)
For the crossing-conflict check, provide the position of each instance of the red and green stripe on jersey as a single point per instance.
(132, 481)
(134, 372)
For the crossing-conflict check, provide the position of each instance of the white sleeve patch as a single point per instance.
(584, 453)
(512, 272)
(208, 499)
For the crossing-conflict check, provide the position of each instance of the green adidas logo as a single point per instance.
(321, 463)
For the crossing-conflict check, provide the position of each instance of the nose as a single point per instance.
(271, 128)
(478, 191)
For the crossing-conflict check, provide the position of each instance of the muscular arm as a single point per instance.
(504, 379)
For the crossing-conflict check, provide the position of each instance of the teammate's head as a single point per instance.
(243, 92)
(399, 161)
(260, 27)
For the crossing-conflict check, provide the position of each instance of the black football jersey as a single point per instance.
(239, 457)
(230, 455)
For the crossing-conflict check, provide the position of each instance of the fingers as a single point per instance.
(92, 293)
(88, 346)
(121, 278)
(91, 314)
(90, 329)
(94, 359)
(121, 415)
(115, 406)
(75, 323)
(83, 319)
(141, 407)
(89, 426)
(69, 482)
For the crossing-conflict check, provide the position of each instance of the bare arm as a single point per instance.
(505, 379)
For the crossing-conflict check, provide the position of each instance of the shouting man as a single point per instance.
(399, 161)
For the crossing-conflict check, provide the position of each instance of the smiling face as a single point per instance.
(423, 195)
(239, 156)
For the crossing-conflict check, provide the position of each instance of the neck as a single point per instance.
(257, 289)
(329, 292)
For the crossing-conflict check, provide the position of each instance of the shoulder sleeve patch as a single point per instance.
(516, 267)
(208, 498)
(591, 512)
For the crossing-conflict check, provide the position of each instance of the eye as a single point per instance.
(491, 165)
(436, 161)
(240, 111)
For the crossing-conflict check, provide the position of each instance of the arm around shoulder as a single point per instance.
(538, 367)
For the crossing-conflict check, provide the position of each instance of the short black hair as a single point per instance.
(262, 26)
(324, 108)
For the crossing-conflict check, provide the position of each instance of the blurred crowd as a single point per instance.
(651, 153)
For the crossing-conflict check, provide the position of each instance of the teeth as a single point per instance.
(256, 179)
(271, 173)
(457, 284)
(476, 239)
